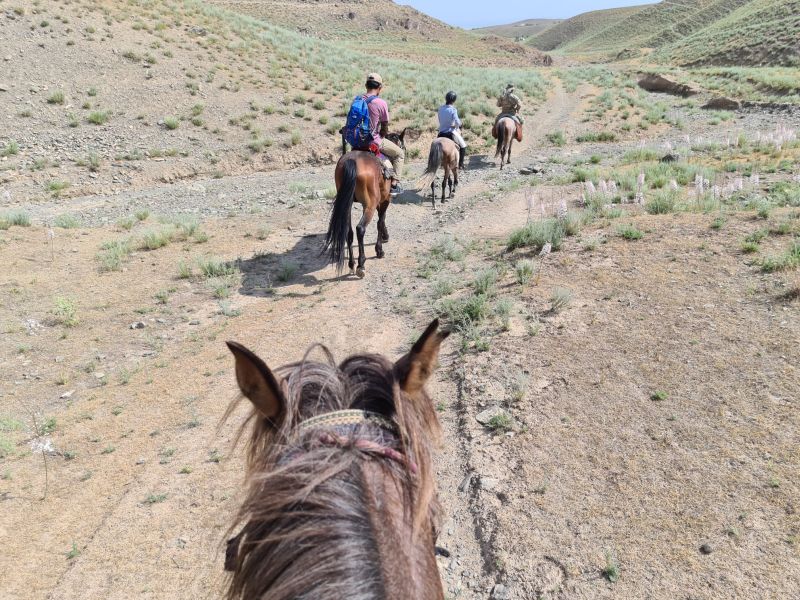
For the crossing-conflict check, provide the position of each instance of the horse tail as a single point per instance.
(339, 227)
(435, 157)
(501, 138)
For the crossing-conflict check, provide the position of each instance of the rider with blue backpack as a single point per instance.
(367, 127)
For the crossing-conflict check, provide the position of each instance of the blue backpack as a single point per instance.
(357, 131)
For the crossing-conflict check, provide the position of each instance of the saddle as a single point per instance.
(446, 134)
(386, 164)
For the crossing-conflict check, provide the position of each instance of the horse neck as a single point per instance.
(407, 560)
(357, 538)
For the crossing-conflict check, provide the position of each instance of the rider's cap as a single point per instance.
(510, 86)
(375, 77)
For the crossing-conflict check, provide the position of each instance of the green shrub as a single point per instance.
(98, 117)
(156, 238)
(629, 232)
(10, 149)
(55, 187)
(603, 136)
(485, 281)
(66, 311)
(112, 253)
(214, 267)
(560, 299)
(785, 193)
(661, 203)
(500, 422)
(463, 312)
(784, 262)
(66, 222)
(639, 155)
(524, 270)
(18, 218)
(536, 234)
(56, 98)
(556, 138)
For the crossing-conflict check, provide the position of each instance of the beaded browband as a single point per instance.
(348, 417)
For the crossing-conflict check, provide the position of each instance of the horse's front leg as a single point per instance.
(433, 192)
(445, 177)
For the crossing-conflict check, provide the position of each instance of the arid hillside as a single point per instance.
(103, 96)
(696, 32)
(384, 28)
(521, 30)
(581, 26)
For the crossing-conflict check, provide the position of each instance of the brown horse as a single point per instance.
(340, 500)
(359, 177)
(443, 153)
(506, 130)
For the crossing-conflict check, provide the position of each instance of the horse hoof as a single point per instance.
(360, 272)
(385, 238)
(352, 271)
(380, 254)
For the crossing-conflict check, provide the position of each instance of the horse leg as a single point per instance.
(433, 192)
(455, 183)
(445, 177)
(382, 220)
(381, 232)
(361, 228)
(510, 143)
(350, 263)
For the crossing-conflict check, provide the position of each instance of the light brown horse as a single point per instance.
(359, 177)
(340, 500)
(443, 153)
(506, 130)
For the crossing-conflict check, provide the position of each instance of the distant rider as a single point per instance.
(379, 125)
(510, 106)
(450, 125)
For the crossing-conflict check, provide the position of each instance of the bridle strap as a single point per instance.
(348, 417)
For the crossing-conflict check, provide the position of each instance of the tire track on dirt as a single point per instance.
(468, 530)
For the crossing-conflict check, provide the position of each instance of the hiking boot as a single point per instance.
(396, 189)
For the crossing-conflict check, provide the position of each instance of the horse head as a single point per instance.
(340, 472)
(398, 138)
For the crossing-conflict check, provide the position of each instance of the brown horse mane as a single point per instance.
(308, 528)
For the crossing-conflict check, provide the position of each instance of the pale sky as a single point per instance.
(472, 13)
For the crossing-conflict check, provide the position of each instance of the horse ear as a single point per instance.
(403, 134)
(415, 368)
(257, 382)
